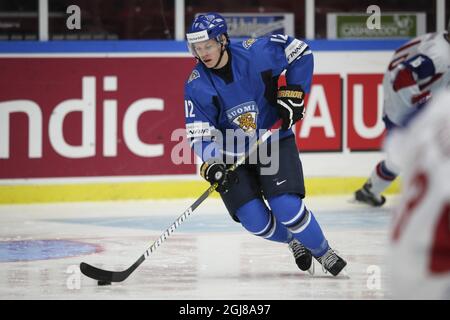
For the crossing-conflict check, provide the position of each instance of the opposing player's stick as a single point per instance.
(106, 276)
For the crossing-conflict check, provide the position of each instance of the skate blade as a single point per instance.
(344, 273)
(354, 201)
(311, 270)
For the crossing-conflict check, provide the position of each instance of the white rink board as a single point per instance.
(344, 62)
(357, 164)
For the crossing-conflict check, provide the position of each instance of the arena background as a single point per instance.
(89, 113)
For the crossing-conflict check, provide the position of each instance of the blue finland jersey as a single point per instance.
(248, 103)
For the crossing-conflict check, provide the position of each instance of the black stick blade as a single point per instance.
(100, 274)
(109, 276)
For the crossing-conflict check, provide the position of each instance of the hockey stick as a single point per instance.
(106, 276)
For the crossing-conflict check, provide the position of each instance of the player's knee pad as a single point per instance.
(290, 210)
(259, 220)
(256, 218)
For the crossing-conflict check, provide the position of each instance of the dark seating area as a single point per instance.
(155, 19)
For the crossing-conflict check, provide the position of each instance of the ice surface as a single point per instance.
(208, 257)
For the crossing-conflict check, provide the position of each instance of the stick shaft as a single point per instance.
(118, 276)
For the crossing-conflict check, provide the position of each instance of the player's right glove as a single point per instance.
(290, 105)
(214, 170)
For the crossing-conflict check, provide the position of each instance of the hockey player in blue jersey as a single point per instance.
(235, 86)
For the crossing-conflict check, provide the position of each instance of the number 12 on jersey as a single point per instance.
(189, 109)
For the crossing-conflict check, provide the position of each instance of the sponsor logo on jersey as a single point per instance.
(248, 43)
(194, 75)
(294, 50)
(198, 129)
(244, 116)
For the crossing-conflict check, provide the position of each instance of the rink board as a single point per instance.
(99, 120)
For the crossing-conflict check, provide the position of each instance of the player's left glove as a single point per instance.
(214, 170)
(290, 105)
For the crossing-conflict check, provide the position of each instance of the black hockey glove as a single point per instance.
(214, 170)
(290, 105)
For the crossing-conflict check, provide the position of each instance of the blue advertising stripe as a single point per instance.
(92, 46)
(356, 45)
(171, 46)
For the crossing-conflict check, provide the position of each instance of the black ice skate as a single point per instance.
(303, 257)
(366, 196)
(331, 262)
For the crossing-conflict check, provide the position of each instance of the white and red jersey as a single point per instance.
(420, 234)
(416, 71)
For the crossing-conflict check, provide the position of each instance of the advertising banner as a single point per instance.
(84, 117)
(321, 128)
(75, 117)
(365, 126)
(342, 25)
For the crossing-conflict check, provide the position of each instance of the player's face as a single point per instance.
(208, 52)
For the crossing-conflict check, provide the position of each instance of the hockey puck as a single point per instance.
(103, 283)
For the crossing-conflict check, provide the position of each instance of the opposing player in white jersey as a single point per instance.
(416, 71)
(420, 234)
